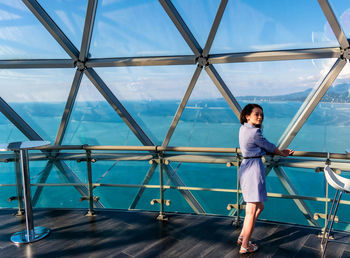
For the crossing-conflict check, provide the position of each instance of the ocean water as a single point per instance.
(204, 123)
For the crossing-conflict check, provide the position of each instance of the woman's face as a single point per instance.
(256, 117)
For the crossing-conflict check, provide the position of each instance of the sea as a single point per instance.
(204, 123)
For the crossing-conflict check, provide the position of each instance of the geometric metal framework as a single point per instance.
(79, 59)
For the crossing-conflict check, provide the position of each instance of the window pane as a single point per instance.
(259, 25)
(23, 36)
(38, 96)
(69, 15)
(341, 9)
(135, 28)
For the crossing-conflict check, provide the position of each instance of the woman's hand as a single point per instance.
(287, 152)
(284, 153)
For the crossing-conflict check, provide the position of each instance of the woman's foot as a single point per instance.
(240, 241)
(250, 249)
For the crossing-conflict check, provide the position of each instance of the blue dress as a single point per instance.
(252, 171)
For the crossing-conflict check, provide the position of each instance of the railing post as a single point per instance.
(20, 211)
(91, 211)
(161, 215)
(238, 204)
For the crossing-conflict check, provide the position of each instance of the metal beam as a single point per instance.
(224, 90)
(52, 28)
(333, 21)
(145, 182)
(141, 61)
(18, 121)
(36, 63)
(73, 178)
(118, 107)
(182, 106)
(278, 55)
(214, 27)
(88, 27)
(181, 26)
(292, 191)
(191, 200)
(309, 105)
(69, 107)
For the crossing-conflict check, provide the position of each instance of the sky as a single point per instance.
(142, 28)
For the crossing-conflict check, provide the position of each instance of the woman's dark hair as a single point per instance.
(247, 110)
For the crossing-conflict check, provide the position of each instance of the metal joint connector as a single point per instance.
(80, 65)
(202, 61)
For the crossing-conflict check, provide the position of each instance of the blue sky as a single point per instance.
(142, 28)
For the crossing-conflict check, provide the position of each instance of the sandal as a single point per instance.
(251, 249)
(240, 241)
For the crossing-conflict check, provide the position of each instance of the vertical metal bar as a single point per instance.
(118, 107)
(309, 105)
(326, 207)
(214, 27)
(88, 27)
(89, 174)
(69, 107)
(224, 90)
(161, 190)
(238, 200)
(182, 106)
(19, 184)
(333, 21)
(181, 26)
(26, 194)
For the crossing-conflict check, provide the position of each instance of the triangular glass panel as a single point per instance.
(328, 127)
(9, 132)
(69, 15)
(23, 36)
(280, 87)
(151, 94)
(341, 8)
(135, 28)
(38, 97)
(207, 120)
(261, 25)
(93, 121)
(199, 16)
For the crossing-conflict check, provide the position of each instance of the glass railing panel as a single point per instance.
(280, 87)
(23, 36)
(207, 120)
(38, 97)
(93, 121)
(125, 173)
(150, 94)
(55, 196)
(199, 16)
(266, 25)
(341, 8)
(8, 176)
(135, 28)
(328, 128)
(70, 17)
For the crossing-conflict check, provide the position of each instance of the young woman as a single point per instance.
(252, 171)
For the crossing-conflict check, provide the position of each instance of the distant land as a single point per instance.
(337, 94)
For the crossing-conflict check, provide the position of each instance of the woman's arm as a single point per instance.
(283, 153)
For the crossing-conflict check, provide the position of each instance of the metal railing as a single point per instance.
(161, 157)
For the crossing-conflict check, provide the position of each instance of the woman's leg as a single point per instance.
(248, 225)
(249, 222)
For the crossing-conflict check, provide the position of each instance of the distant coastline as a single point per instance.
(337, 94)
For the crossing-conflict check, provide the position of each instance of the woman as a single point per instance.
(252, 171)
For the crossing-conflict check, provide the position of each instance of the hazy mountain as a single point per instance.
(339, 94)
